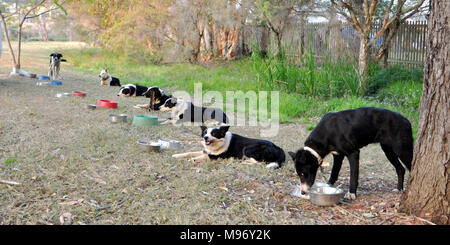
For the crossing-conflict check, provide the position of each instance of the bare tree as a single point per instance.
(24, 10)
(275, 14)
(428, 192)
(360, 13)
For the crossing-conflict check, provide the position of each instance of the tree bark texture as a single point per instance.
(428, 192)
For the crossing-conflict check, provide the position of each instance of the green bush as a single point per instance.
(402, 93)
(392, 74)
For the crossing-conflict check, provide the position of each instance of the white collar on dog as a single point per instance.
(319, 159)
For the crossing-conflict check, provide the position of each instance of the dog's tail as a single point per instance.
(406, 149)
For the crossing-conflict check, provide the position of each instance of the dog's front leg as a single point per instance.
(188, 154)
(171, 121)
(142, 106)
(337, 163)
(353, 158)
(201, 158)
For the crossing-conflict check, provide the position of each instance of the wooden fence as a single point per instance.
(407, 48)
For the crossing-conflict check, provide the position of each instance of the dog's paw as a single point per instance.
(273, 165)
(177, 155)
(350, 196)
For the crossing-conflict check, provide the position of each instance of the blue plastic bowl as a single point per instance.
(44, 78)
(55, 83)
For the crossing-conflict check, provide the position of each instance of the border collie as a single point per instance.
(344, 133)
(183, 111)
(131, 90)
(55, 65)
(106, 79)
(219, 143)
(157, 98)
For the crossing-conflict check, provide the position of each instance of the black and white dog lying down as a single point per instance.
(183, 111)
(157, 98)
(106, 79)
(344, 133)
(219, 143)
(132, 90)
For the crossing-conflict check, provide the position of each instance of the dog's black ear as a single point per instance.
(203, 128)
(292, 154)
(224, 129)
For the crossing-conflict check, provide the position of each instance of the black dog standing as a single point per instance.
(344, 133)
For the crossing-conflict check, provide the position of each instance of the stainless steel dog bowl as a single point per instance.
(318, 184)
(149, 146)
(325, 196)
(90, 106)
(169, 144)
(60, 95)
(117, 118)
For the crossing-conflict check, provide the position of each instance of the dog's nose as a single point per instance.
(206, 138)
(303, 193)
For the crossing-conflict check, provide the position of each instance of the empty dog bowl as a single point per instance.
(79, 93)
(145, 121)
(169, 144)
(90, 106)
(149, 146)
(325, 196)
(116, 118)
(55, 83)
(59, 95)
(107, 104)
(42, 83)
(43, 78)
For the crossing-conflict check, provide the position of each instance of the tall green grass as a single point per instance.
(330, 79)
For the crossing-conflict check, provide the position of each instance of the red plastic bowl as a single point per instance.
(79, 93)
(107, 104)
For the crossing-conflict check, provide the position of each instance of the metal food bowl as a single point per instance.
(318, 184)
(60, 95)
(325, 196)
(117, 118)
(169, 144)
(90, 106)
(149, 146)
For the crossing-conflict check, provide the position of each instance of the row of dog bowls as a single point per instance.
(322, 194)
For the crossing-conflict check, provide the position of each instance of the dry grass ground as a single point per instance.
(70, 160)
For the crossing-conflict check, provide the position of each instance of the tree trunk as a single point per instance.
(428, 193)
(279, 45)
(19, 50)
(264, 42)
(388, 35)
(363, 62)
(11, 50)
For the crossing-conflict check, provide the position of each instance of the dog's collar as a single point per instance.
(312, 151)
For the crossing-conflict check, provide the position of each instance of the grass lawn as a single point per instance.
(68, 160)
